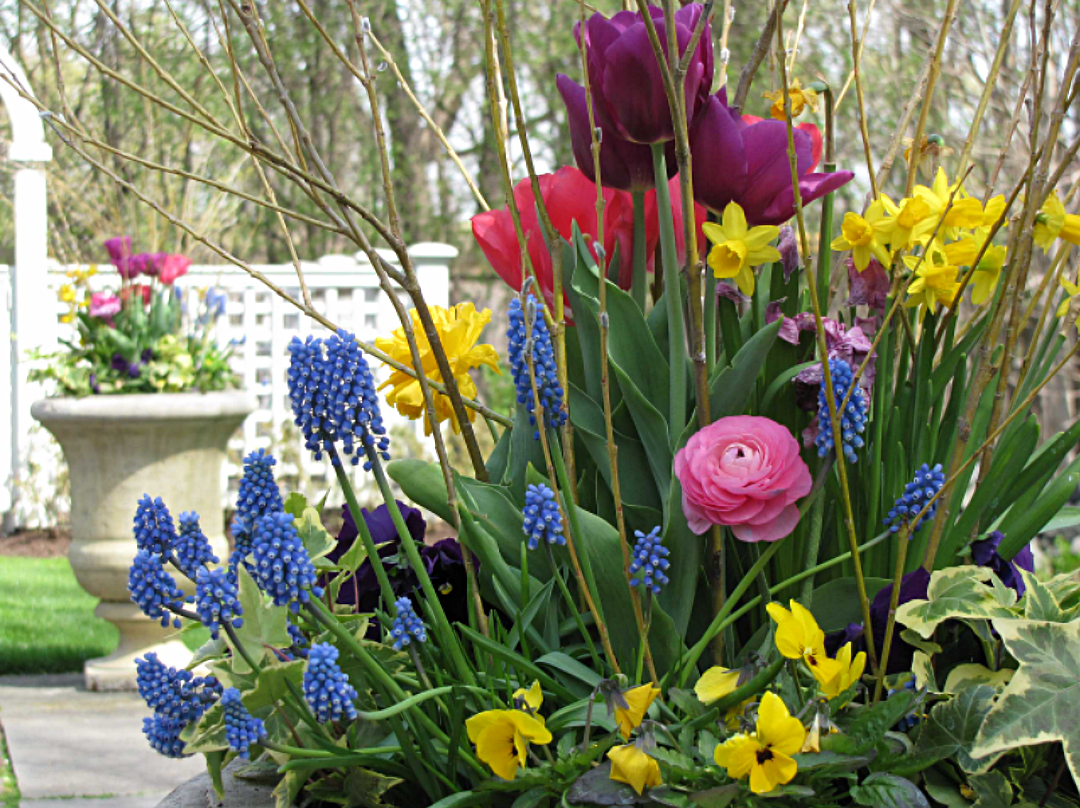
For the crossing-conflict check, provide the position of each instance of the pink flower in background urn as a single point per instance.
(119, 249)
(104, 305)
(743, 472)
(173, 267)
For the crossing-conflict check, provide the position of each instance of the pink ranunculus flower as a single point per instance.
(104, 305)
(743, 472)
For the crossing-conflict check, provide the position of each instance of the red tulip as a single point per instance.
(652, 224)
(173, 267)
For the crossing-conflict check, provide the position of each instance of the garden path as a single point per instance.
(86, 749)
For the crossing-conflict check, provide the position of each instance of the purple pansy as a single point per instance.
(985, 554)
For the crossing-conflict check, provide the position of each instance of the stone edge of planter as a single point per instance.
(239, 793)
(146, 406)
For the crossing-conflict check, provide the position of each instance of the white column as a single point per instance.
(33, 324)
(432, 263)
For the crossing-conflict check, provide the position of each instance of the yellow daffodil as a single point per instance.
(459, 328)
(533, 698)
(858, 235)
(766, 754)
(502, 739)
(66, 293)
(631, 765)
(800, 99)
(995, 206)
(1073, 290)
(985, 279)
(799, 637)
(737, 248)
(905, 225)
(935, 280)
(848, 672)
(966, 211)
(1053, 222)
(638, 700)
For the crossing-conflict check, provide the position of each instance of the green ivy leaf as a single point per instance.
(870, 725)
(993, 790)
(316, 540)
(1040, 602)
(270, 686)
(295, 504)
(883, 790)
(1042, 702)
(951, 729)
(972, 673)
(923, 670)
(958, 592)
(288, 788)
(264, 624)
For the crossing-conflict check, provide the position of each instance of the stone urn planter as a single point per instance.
(170, 445)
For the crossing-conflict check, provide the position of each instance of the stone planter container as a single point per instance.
(119, 447)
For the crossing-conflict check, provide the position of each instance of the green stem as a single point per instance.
(673, 296)
(565, 590)
(365, 534)
(894, 602)
(824, 256)
(813, 547)
(640, 278)
(565, 487)
(448, 639)
(737, 696)
(710, 320)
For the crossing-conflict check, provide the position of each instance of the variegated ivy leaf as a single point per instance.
(958, 592)
(1042, 702)
(1040, 602)
(971, 674)
(316, 540)
(264, 624)
(923, 670)
(928, 647)
(951, 728)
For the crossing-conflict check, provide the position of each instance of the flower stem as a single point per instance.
(894, 602)
(638, 282)
(365, 533)
(673, 298)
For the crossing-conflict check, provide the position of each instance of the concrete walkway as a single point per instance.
(74, 749)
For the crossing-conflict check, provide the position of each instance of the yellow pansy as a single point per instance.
(800, 99)
(737, 248)
(717, 683)
(1053, 222)
(631, 765)
(533, 698)
(858, 235)
(987, 274)
(638, 700)
(935, 280)
(906, 225)
(766, 754)
(1073, 290)
(966, 211)
(502, 739)
(848, 672)
(799, 637)
(459, 328)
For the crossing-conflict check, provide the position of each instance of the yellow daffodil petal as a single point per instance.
(716, 683)
(745, 281)
(632, 766)
(758, 237)
(735, 221)
(638, 699)
(727, 259)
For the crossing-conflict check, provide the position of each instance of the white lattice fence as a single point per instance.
(344, 288)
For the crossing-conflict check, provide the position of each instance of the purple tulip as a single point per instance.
(625, 78)
(985, 554)
(624, 165)
(735, 161)
(119, 249)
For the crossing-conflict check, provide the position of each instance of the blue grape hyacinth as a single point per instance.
(241, 729)
(174, 694)
(326, 687)
(649, 557)
(282, 566)
(543, 358)
(257, 495)
(217, 600)
(300, 643)
(192, 548)
(154, 530)
(917, 493)
(407, 625)
(333, 398)
(164, 735)
(852, 419)
(543, 522)
(153, 589)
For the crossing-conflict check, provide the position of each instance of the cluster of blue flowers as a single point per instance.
(241, 729)
(217, 600)
(543, 522)
(650, 558)
(407, 626)
(192, 548)
(154, 530)
(543, 359)
(333, 397)
(299, 641)
(177, 698)
(928, 481)
(258, 495)
(153, 589)
(852, 419)
(326, 687)
(282, 567)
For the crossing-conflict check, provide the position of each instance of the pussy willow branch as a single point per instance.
(823, 350)
(761, 50)
(862, 43)
(856, 53)
(605, 369)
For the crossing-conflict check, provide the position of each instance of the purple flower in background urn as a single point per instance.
(119, 249)
(985, 554)
(625, 79)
